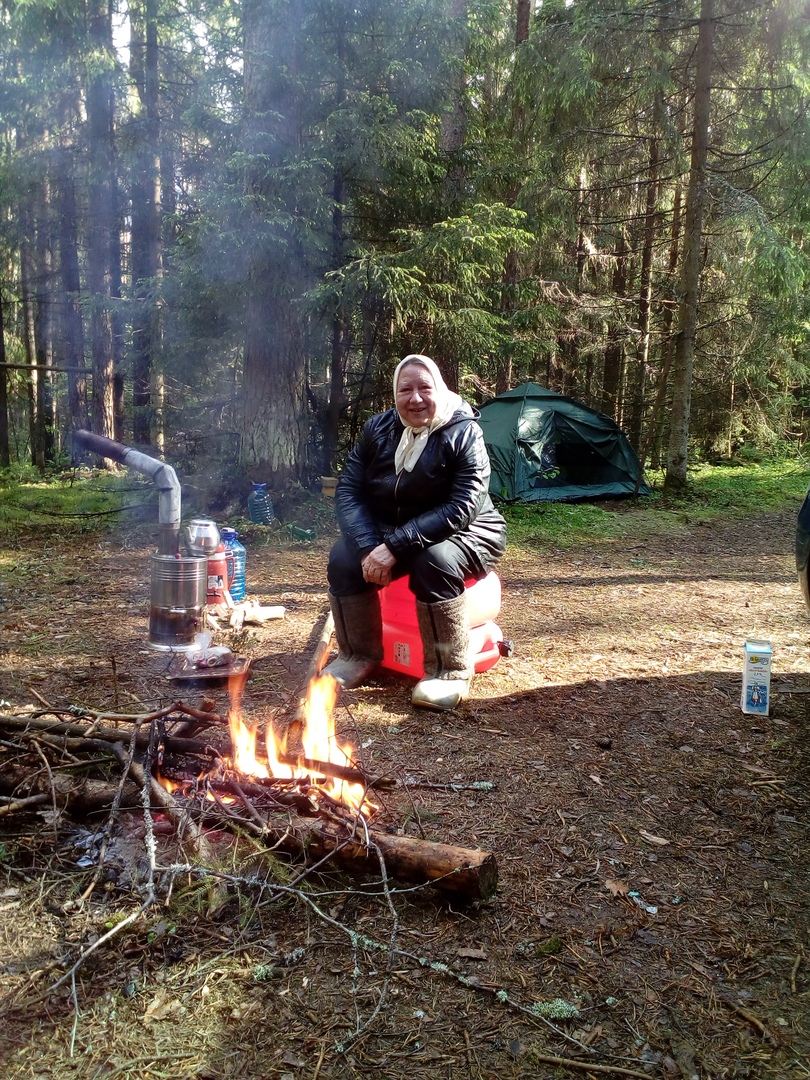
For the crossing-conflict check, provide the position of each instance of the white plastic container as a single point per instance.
(756, 687)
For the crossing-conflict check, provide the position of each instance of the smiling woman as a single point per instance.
(414, 499)
(416, 395)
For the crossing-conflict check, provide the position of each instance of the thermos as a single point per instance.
(220, 574)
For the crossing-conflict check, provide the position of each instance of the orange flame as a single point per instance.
(320, 741)
(243, 746)
(319, 744)
(170, 785)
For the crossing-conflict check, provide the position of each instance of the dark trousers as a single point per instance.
(435, 573)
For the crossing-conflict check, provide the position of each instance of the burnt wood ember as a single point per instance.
(325, 768)
(351, 773)
(267, 795)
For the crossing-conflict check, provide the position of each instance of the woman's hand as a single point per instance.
(377, 565)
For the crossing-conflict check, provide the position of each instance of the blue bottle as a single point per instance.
(260, 505)
(230, 538)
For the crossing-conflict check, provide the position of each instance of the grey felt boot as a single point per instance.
(358, 629)
(449, 669)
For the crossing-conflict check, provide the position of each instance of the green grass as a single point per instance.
(72, 501)
(747, 489)
(559, 524)
(727, 491)
(99, 501)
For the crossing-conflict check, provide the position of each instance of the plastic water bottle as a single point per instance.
(260, 505)
(230, 537)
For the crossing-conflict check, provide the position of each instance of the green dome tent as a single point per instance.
(547, 447)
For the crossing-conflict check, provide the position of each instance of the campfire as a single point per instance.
(304, 793)
(325, 766)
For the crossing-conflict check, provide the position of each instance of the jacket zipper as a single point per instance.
(396, 493)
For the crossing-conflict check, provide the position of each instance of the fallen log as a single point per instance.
(78, 795)
(463, 872)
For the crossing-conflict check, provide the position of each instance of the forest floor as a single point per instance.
(652, 840)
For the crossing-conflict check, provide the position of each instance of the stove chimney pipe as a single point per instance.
(164, 476)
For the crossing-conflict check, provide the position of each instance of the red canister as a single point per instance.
(402, 641)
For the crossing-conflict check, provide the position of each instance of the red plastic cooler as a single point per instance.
(402, 642)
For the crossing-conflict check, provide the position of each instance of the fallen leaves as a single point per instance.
(162, 1007)
(617, 888)
(651, 838)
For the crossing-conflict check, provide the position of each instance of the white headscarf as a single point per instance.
(413, 439)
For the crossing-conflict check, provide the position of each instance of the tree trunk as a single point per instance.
(72, 327)
(503, 375)
(101, 210)
(638, 390)
(655, 424)
(340, 335)
(690, 266)
(454, 118)
(614, 349)
(118, 325)
(43, 329)
(274, 428)
(568, 339)
(27, 294)
(168, 241)
(511, 266)
(5, 447)
(146, 213)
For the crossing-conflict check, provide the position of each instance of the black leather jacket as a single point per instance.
(446, 495)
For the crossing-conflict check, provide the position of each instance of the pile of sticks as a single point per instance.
(80, 763)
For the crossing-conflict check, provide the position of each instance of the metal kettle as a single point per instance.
(202, 537)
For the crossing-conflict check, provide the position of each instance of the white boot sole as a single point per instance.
(440, 695)
(350, 673)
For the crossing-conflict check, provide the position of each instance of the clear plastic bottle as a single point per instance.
(230, 538)
(260, 505)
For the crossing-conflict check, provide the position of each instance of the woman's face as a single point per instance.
(416, 396)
